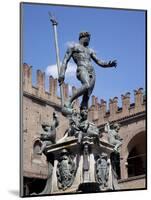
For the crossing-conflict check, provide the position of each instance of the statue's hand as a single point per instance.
(61, 79)
(112, 63)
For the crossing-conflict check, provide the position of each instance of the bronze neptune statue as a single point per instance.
(82, 56)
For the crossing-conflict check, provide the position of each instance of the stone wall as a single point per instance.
(99, 114)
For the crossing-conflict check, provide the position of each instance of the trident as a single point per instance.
(54, 24)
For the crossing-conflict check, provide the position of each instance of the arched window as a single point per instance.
(137, 155)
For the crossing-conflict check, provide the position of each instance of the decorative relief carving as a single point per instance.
(65, 170)
(102, 170)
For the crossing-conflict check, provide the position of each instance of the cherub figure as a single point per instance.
(49, 135)
(81, 127)
(113, 136)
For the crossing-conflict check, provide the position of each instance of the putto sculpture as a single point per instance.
(80, 126)
(113, 136)
(49, 135)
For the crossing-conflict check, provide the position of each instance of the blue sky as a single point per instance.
(115, 34)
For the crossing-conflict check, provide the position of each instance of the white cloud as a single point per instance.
(70, 44)
(69, 90)
(52, 70)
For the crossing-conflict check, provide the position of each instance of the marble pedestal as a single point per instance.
(82, 165)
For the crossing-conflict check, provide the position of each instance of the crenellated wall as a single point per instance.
(98, 109)
(39, 89)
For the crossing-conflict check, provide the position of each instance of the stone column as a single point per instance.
(124, 169)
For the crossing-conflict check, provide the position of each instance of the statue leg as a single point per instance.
(88, 82)
(87, 94)
(84, 78)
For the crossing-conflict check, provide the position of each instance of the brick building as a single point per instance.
(38, 106)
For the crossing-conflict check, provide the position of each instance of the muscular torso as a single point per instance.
(82, 56)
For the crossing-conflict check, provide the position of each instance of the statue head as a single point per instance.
(84, 38)
(44, 127)
(116, 126)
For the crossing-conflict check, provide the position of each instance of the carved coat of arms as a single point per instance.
(102, 170)
(65, 170)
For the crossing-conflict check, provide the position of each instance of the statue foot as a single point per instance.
(68, 104)
(67, 109)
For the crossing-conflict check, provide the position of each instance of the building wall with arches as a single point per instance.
(134, 147)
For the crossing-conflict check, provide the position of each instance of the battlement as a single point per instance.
(98, 111)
